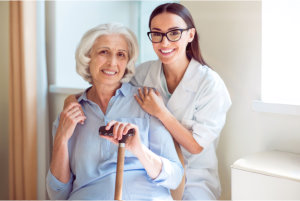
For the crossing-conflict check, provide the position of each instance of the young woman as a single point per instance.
(187, 96)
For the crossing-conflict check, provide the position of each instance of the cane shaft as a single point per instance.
(119, 173)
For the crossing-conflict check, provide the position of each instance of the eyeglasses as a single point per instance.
(173, 35)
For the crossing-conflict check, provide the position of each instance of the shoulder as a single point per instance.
(207, 77)
(143, 70)
(206, 82)
(197, 76)
(147, 66)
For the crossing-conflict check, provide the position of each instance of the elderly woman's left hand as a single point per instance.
(151, 101)
(133, 143)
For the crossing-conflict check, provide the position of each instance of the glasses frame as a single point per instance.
(165, 34)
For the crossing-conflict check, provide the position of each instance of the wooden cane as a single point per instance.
(119, 172)
(120, 159)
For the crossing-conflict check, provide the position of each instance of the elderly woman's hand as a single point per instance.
(69, 118)
(151, 161)
(133, 143)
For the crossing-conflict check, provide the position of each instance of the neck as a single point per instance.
(174, 73)
(101, 95)
(176, 70)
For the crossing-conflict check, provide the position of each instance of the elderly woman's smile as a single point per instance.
(109, 58)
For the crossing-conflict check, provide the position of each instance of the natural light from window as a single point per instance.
(280, 51)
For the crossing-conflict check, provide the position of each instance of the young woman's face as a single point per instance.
(109, 58)
(167, 51)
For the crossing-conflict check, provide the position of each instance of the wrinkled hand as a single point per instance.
(151, 101)
(69, 118)
(73, 99)
(133, 143)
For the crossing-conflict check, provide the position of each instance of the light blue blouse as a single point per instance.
(93, 159)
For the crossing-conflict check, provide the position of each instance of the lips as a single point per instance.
(109, 72)
(166, 51)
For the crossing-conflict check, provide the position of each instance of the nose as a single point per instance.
(112, 60)
(165, 41)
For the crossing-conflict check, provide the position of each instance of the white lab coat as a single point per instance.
(200, 103)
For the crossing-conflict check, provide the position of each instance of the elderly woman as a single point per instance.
(83, 164)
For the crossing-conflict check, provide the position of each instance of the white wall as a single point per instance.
(4, 62)
(230, 39)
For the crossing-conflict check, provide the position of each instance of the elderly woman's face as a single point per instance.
(109, 58)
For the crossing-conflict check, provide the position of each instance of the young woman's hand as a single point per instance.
(151, 101)
(133, 143)
(73, 99)
(69, 118)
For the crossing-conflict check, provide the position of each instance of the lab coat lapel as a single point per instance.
(185, 90)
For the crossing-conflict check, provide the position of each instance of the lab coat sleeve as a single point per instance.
(161, 143)
(56, 189)
(209, 114)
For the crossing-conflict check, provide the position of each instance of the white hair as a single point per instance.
(88, 40)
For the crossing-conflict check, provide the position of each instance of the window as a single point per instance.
(280, 51)
(67, 21)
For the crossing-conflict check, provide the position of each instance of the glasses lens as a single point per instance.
(174, 35)
(155, 37)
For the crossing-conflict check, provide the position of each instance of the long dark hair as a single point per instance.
(192, 49)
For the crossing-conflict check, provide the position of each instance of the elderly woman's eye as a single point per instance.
(103, 52)
(121, 54)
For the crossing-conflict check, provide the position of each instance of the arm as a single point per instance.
(59, 176)
(151, 101)
(161, 143)
(208, 119)
(182, 135)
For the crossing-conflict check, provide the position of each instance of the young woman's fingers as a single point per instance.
(146, 91)
(75, 115)
(72, 105)
(157, 92)
(140, 102)
(79, 118)
(141, 94)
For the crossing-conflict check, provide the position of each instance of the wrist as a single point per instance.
(60, 140)
(140, 151)
(163, 115)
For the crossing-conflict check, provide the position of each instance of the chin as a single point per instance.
(167, 60)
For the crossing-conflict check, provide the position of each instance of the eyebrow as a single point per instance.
(157, 29)
(104, 47)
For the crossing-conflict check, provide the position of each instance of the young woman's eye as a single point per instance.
(175, 33)
(156, 34)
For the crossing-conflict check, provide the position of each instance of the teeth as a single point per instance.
(166, 51)
(109, 72)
